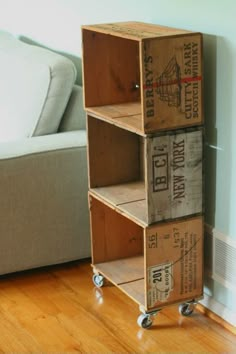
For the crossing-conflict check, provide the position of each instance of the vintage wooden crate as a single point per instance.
(149, 177)
(144, 76)
(157, 265)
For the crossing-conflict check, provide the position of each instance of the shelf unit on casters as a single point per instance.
(145, 162)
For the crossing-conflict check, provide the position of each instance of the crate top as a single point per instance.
(136, 30)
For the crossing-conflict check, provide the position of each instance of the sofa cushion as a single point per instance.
(35, 87)
(74, 117)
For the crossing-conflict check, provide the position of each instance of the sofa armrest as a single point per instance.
(40, 144)
(44, 215)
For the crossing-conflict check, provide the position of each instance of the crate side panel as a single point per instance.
(174, 175)
(172, 82)
(110, 69)
(113, 235)
(113, 154)
(135, 30)
(174, 262)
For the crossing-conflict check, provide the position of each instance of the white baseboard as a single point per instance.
(219, 309)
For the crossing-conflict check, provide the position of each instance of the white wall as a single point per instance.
(56, 24)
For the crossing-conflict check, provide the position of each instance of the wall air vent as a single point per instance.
(224, 260)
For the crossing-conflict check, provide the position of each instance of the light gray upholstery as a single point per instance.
(35, 87)
(70, 119)
(44, 215)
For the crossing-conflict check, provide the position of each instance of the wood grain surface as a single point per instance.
(57, 309)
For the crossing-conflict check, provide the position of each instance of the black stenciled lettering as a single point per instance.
(188, 100)
(148, 92)
(160, 162)
(161, 181)
(160, 172)
(148, 59)
(150, 103)
(191, 70)
(152, 241)
(178, 159)
(178, 187)
(195, 99)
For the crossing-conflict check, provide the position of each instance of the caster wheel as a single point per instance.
(98, 280)
(144, 321)
(186, 309)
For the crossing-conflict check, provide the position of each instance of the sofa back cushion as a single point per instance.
(74, 117)
(35, 87)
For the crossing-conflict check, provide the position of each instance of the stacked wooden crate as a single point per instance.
(143, 97)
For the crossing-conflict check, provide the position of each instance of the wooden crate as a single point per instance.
(156, 265)
(150, 178)
(145, 77)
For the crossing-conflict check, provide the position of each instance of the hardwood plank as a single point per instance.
(110, 69)
(135, 290)
(128, 198)
(113, 154)
(70, 315)
(122, 110)
(113, 235)
(122, 193)
(125, 115)
(136, 210)
(122, 270)
(134, 30)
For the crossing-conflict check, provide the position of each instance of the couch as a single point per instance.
(44, 217)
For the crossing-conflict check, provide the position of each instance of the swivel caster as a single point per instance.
(98, 280)
(144, 321)
(187, 308)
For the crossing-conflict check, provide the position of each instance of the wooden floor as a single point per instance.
(58, 310)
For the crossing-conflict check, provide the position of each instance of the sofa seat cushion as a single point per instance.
(35, 87)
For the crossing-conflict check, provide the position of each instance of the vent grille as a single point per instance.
(224, 260)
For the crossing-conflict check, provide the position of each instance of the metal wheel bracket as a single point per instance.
(187, 308)
(146, 318)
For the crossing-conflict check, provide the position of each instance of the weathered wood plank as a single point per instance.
(113, 236)
(135, 30)
(122, 193)
(174, 168)
(113, 154)
(121, 271)
(172, 82)
(110, 69)
(135, 290)
(174, 262)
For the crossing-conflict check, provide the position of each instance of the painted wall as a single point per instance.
(56, 24)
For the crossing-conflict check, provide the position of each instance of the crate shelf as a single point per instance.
(131, 256)
(126, 198)
(143, 97)
(127, 274)
(126, 115)
(151, 178)
(153, 70)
